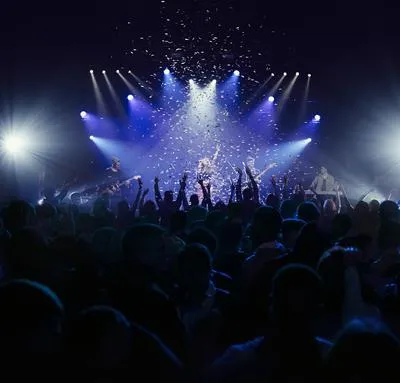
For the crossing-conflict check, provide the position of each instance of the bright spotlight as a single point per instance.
(91, 138)
(83, 114)
(271, 99)
(14, 144)
(317, 117)
(284, 73)
(236, 73)
(130, 97)
(166, 71)
(129, 71)
(214, 82)
(308, 140)
(309, 75)
(191, 81)
(117, 71)
(297, 73)
(272, 74)
(104, 72)
(91, 71)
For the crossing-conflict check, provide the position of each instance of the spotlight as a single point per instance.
(284, 73)
(117, 71)
(271, 99)
(272, 74)
(317, 117)
(130, 97)
(129, 71)
(83, 114)
(236, 73)
(14, 144)
(166, 71)
(91, 71)
(214, 82)
(297, 73)
(91, 138)
(191, 81)
(309, 75)
(308, 140)
(104, 72)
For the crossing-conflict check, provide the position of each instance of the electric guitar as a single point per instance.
(116, 186)
(257, 177)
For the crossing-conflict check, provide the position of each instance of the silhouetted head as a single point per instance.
(169, 196)
(194, 200)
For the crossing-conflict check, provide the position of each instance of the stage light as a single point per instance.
(117, 71)
(309, 75)
(284, 73)
(308, 140)
(91, 138)
(166, 71)
(91, 71)
(83, 114)
(104, 72)
(129, 71)
(317, 117)
(191, 81)
(271, 99)
(130, 97)
(13, 144)
(214, 82)
(297, 73)
(272, 74)
(236, 73)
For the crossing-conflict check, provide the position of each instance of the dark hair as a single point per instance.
(295, 278)
(195, 255)
(364, 350)
(308, 211)
(26, 306)
(266, 225)
(137, 237)
(204, 237)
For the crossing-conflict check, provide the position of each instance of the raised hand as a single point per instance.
(145, 192)
(140, 182)
(248, 171)
(273, 181)
(240, 171)
(200, 180)
(156, 180)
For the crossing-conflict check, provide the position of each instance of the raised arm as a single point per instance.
(239, 196)
(232, 194)
(138, 196)
(285, 191)
(181, 193)
(157, 192)
(256, 194)
(217, 150)
(143, 197)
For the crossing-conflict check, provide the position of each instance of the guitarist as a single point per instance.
(256, 173)
(113, 180)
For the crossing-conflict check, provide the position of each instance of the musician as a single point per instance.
(257, 174)
(323, 182)
(113, 173)
(207, 171)
(113, 180)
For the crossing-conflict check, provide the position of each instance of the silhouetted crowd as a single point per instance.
(286, 290)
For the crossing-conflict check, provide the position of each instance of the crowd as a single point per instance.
(282, 290)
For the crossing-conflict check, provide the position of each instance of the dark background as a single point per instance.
(351, 50)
